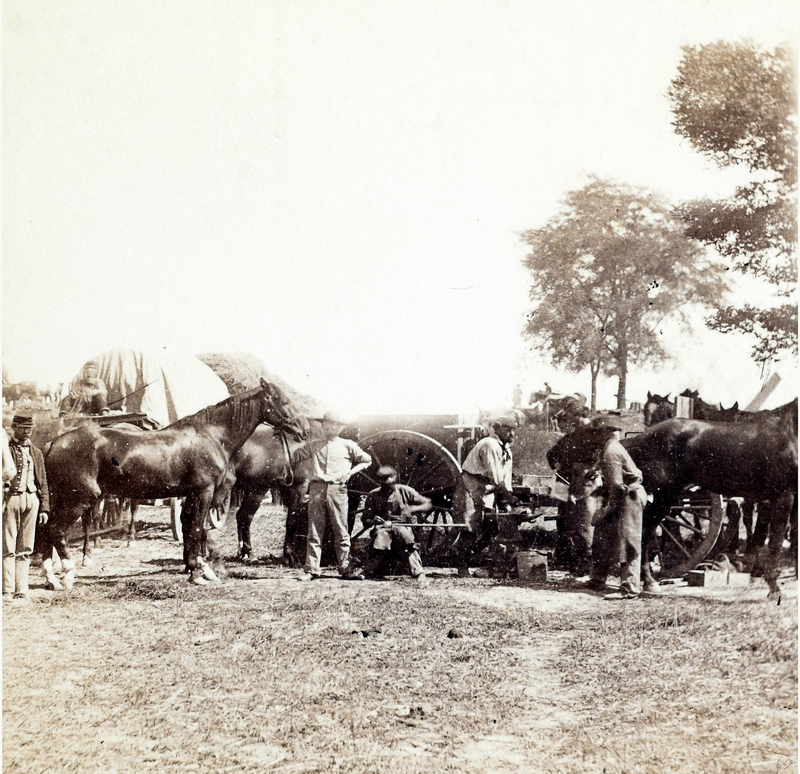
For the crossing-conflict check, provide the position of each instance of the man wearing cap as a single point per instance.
(486, 477)
(618, 535)
(88, 395)
(335, 460)
(389, 503)
(26, 497)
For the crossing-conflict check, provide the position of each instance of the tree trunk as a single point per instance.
(622, 366)
(594, 370)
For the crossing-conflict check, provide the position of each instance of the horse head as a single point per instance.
(657, 408)
(277, 410)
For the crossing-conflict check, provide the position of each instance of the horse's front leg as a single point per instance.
(780, 511)
(55, 537)
(193, 519)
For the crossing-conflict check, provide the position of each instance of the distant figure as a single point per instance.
(88, 395)
(517, 398)
(26, 498)
(388, 503)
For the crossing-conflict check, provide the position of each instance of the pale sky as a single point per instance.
(337, 187)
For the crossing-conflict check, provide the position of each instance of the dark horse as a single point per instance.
(657, 408)
(191, 458)
(756, 459)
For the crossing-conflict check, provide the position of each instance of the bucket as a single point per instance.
(531, 565)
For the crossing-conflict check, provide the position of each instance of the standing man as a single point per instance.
(618, 535)
(486, 479)
(388, 503)
(26, 497)
(335, 460)
(88, 395)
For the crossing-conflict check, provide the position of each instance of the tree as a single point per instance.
(737, 104)
(607, 270)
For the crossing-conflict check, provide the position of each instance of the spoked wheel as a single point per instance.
(690, 532)
(421, 463)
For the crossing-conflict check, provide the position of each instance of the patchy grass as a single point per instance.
(138, 671)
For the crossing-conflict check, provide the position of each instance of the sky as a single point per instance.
(339, 188)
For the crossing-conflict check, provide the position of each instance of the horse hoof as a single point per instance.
(54, 584)
(197, 579)
(87, 561)
(209, 574)
(69, 580)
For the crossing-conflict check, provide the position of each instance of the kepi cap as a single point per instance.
(23, 420)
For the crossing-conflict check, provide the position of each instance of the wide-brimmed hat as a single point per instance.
(22, 420)
(609, 421)
(385, 472)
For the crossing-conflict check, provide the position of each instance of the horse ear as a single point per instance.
(735, 406)
(649, 396)
(264, 383)
(666, 397)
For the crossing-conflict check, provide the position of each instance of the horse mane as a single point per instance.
(236, 412)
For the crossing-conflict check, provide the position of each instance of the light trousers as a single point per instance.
(19, 530)
(326, 500)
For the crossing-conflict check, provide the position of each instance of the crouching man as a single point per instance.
(391, 544)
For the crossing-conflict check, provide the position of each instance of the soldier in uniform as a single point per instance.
(26, 499)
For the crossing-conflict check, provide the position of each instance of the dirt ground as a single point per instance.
(135, 670)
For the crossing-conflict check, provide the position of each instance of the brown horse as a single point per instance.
(191, 458)
(755, 459)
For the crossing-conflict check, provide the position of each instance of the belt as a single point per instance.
(328, 483)
(15, 493)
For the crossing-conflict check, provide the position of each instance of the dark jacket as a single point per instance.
(39, 474)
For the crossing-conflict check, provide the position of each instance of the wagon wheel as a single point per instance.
(421, 463)
(689, 532)
(175, 508)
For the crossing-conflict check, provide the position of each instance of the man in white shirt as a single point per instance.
(486, 479)
(335, 461)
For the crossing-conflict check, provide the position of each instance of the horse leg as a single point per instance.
(91, 519)
(134, 506)
(780, 511)
(193, 528)
(244, 519)
(651, 518)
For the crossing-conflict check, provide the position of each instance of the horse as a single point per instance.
(710, 413)
(564, 411)
(657, 408)
(190, 458)
(755, 459)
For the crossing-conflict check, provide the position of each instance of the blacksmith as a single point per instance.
(335, 461)
(88, 395)
(485, 484)
(618, 531)
(389, 503)
(26, 499)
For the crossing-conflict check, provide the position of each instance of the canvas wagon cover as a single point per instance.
(165, 387)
